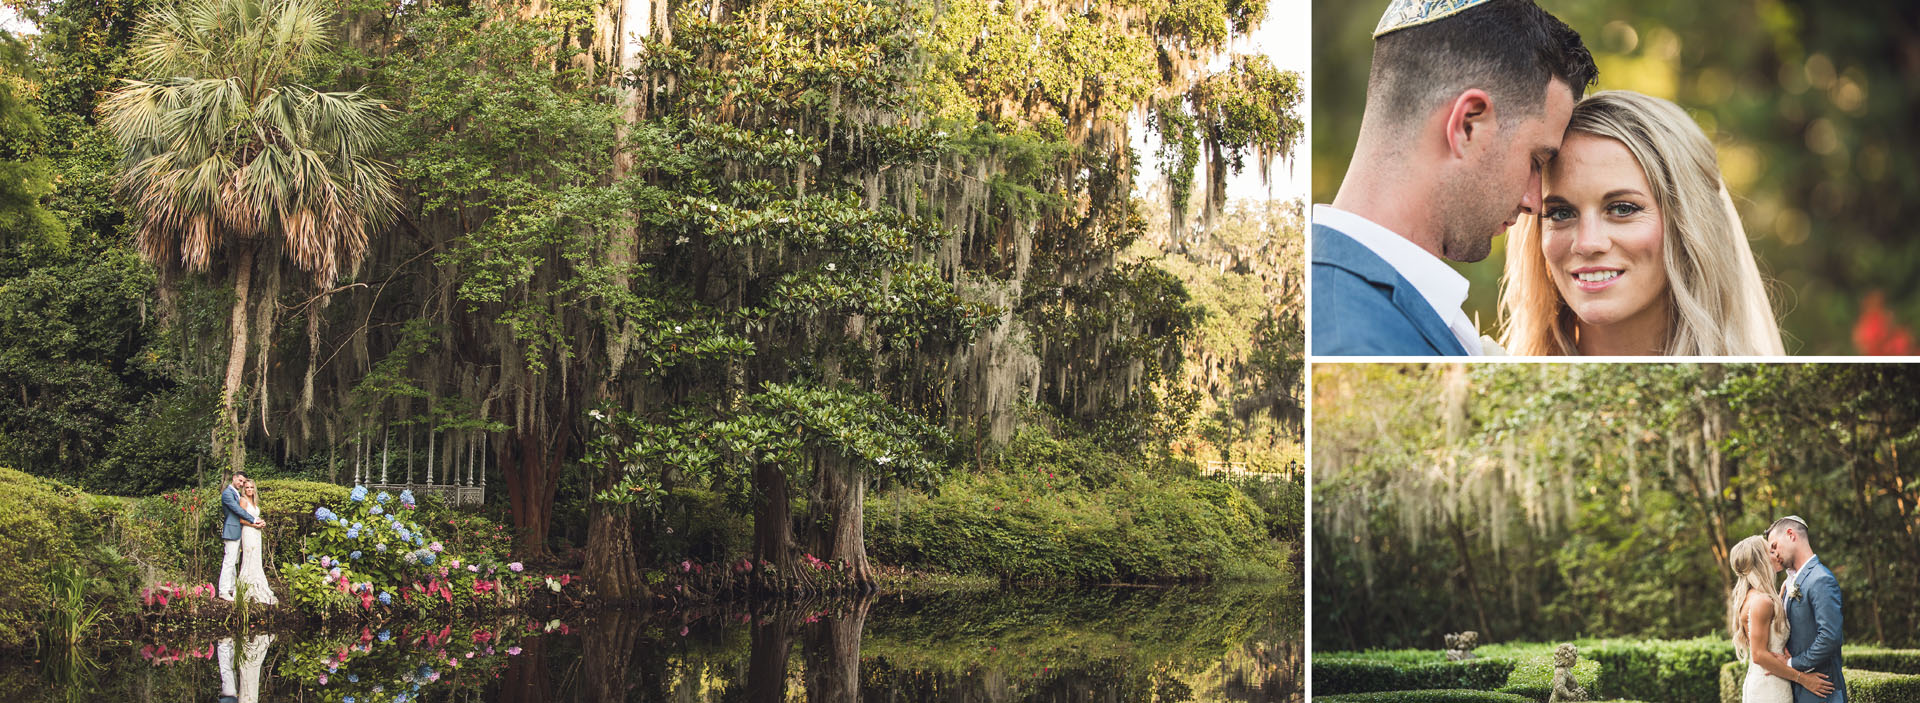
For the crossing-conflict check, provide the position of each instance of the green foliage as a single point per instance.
(1045, 525)
(1337, 676)
(1533, 676)
(1682, 671)
(26, 176)
(1893, 661)
(45, 527)
(1423, 696)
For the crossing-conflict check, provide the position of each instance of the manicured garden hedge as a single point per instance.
(1892, 661)
(1337, 676)
(1678, 671)
(1533, 676)
(1426, 696)
(1863, 685)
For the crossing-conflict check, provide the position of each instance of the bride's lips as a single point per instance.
(1599, 275)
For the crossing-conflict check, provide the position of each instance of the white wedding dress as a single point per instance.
(1759, 686)
(252, 574)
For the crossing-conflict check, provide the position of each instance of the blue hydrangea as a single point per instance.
(359, 494)
(353, 533)
(355, 555)
(386, 635)
(376, 509)
(348, 699)
(353, 678)
(428, 558)
(323, 514)
(381, 546)
(406, 497)
(386, 599)
(385, 496)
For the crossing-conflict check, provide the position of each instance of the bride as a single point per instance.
(1636, 248)
(1757, 622)
(253, 576)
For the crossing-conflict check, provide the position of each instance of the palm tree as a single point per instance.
(227, 156)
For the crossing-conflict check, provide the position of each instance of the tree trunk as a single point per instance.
(1459, 535)
(773, 520)
(635, 24)
(613, 570)
(844, 497)
(832, 653)
(531, 462)
(230, 444)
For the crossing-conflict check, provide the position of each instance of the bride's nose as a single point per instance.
(1589, 238)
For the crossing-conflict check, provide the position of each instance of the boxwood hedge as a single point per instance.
(1863, 686)
(1336, 676)
(1678, 671)
(1892, 661)
(1432, 696)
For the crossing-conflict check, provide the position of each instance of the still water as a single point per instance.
(1193, 643)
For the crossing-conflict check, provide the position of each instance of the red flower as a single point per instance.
(1876, 334)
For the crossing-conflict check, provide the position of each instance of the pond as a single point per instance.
(1188, 643)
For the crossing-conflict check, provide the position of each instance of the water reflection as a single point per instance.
(1041, 646)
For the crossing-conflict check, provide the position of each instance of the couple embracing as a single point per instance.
(1789, 635)
(240, 538)
(1624, 240)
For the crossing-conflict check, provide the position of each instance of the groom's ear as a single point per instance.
(1469, 116)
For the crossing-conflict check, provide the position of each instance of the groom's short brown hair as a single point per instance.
(1509, 48)
(1792, 524)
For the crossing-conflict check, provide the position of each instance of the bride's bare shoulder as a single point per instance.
(1759, 606)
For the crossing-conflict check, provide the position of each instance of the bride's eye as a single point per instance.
(1623, 209)
(1559, 213)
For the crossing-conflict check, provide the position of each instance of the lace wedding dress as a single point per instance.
(1759, 686)
(252, 574)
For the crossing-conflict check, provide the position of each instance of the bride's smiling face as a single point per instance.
(1603, 237)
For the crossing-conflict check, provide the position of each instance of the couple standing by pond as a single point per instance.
(240, 535)
(1623, 239)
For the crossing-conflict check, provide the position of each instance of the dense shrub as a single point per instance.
(1881, 687)
(1680, 671)
(1892, 661)
(1533, 677)
(1043, 527)
(1335, 676)
(38, 521)
(1424, 696)
(1863, 685)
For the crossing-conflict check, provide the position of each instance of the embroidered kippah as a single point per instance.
(1402, 14)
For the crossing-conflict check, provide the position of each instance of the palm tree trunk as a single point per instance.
(229, 442)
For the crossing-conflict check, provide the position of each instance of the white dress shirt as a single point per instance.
(1444, 289)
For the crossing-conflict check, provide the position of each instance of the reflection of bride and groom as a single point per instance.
(1790, 635)
(1624, 240)
(241, 683)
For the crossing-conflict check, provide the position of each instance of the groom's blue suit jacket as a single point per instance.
(1815, 634)
(1362, 307)
(230, 504)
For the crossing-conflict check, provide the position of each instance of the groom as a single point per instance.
(1466, 103)
(1812, 595)
(230, 533)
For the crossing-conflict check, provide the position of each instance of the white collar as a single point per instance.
(1443, 288)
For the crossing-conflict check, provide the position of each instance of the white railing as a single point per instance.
(463, 474)
(1240, 469)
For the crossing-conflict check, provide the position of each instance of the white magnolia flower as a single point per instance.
(595, 414)
(682, 239)
(830, 267)
(676, 329)
(883, 461)
(789, 131)
(715, 207)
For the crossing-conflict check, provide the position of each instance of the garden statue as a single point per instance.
(1564, 687)
(1460, 646)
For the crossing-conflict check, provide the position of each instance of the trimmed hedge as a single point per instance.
(1337, 676)
(39, 520)
(1892, 661)
(1863, 685)
(1533, 677)
(1433, 696)
(1426, 696)
(1678, 671)
(1881, 687)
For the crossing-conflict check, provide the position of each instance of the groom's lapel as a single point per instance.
(1334, 248)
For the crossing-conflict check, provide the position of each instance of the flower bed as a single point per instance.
(370, 556)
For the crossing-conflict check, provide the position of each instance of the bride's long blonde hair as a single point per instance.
(1752, 573)
(1714, 288)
